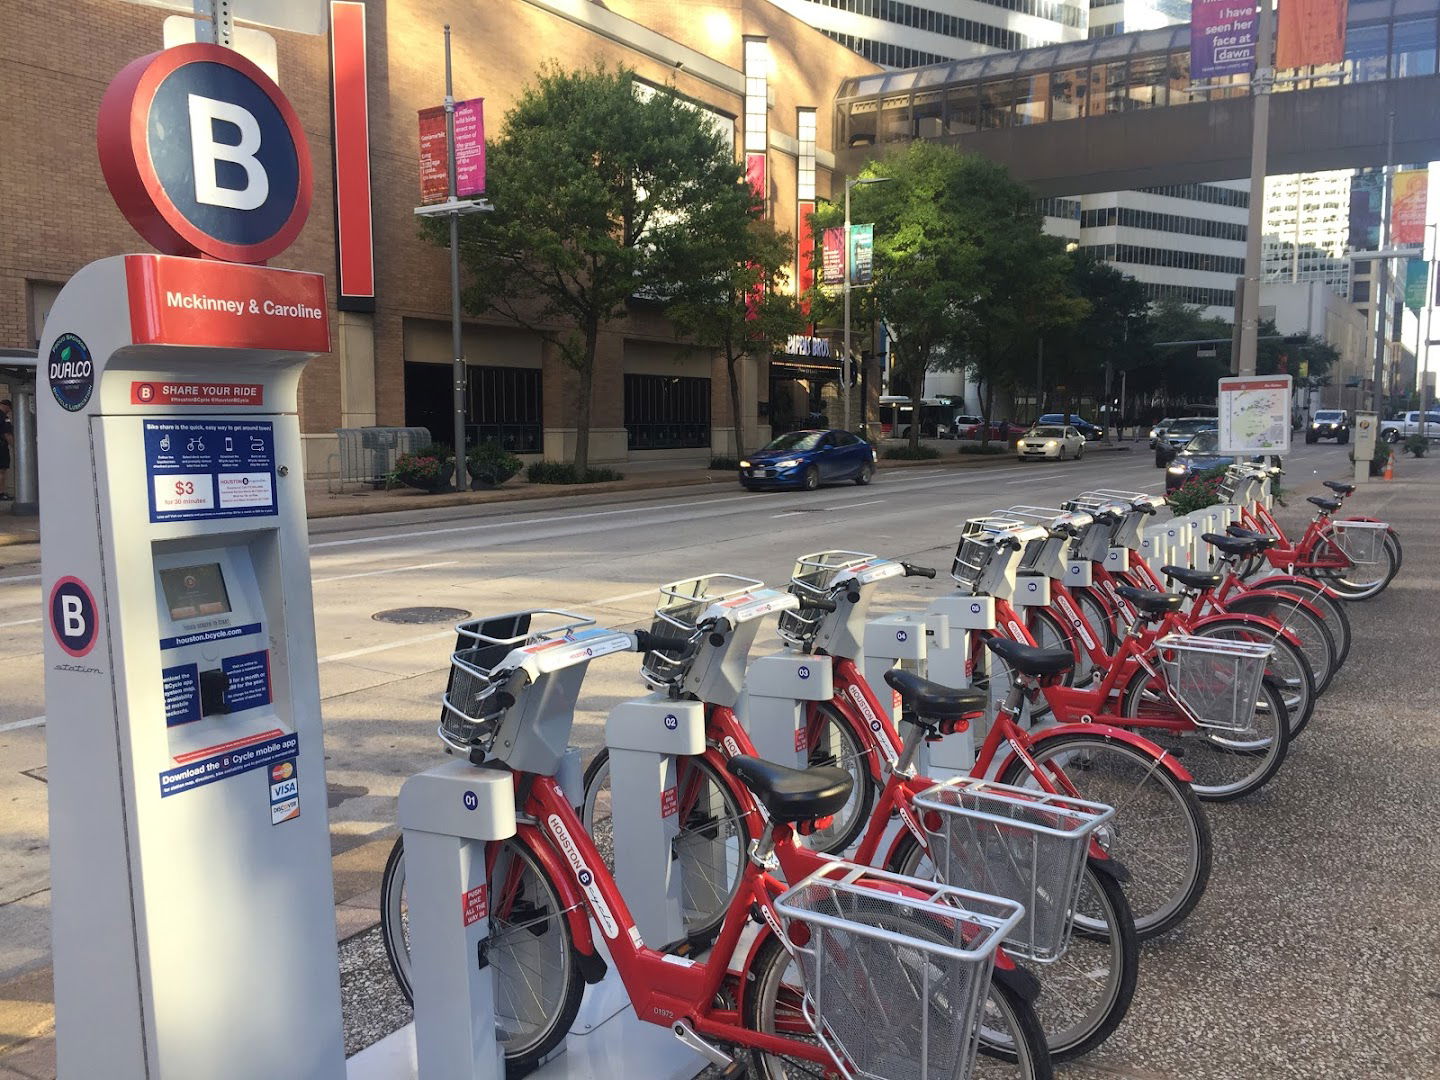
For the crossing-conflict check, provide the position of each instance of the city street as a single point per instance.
(1292, 888)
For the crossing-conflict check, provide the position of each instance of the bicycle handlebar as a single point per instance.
(648, 642)
(911, 570)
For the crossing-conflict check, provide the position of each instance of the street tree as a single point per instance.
(603, 195)
(737, 306)
(1108, 336)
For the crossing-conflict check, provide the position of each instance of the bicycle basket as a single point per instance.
(682, 607)
(470, 712)
(811, 580)
(1218, 681)
(1027, 846)
(978, 547)
(895, 970)
(1362, 542)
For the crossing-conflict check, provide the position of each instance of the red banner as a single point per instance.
(1408, 196)
(1310, 32)
(832, 258)
(805, 254)
(434, 156)
(353, 235)
(470, 147)
(756, 177)
(176, 301)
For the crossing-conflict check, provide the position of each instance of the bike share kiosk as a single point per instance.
(192, 904)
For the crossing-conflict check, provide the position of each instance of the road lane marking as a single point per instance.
(16, 725)
(14, 580)
(18, 622)
(788, 513)
(377, 573)
(627, 596)
(369, 649)
(853, 506)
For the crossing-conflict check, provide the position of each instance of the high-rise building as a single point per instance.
(1184, 241)
(1307, 228)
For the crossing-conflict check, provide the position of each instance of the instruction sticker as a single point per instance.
(475, 904)
(182, 694)
(247, 680)
(222, 766)
(210, 469)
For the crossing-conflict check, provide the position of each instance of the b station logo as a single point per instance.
(204, 155)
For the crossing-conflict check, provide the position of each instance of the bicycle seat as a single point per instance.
(1029, 660)
(1195, 579)
(792, 795)
(1151, 601)
(1340, 487)
(931, 701)
(1242, 533)
(1328, 505)
(1235, 545)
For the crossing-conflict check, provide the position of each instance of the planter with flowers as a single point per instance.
(430, 469)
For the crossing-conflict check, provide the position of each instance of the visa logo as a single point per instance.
(284, 790)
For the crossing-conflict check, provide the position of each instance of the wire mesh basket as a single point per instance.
(979, 546)
(895, 970)
(471, 710)
(1362, 542)
(682, 606)
(1217, 680)
(812, 579)
(1027, 846)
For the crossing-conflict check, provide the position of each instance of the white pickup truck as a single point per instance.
(1408, 423)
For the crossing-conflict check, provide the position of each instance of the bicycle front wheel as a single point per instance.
(1337, 619)
(1306, 623)
(1158, 833)
(1287, 668)
(1357, 581)
(1086, 992)
(1225, 764)
(775, 994)
(532, 956)
(832, 741)
(710, 846)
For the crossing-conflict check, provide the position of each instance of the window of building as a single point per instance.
(1367, 50)
(502, 404)
(1360, 292)
(1414, 49)
(664, 412)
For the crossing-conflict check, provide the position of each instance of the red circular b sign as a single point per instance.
(204, 155)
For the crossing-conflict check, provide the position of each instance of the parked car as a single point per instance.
(807, 459)
(1407, 424)
(959, 425)
(1158, 432)
(1050, 441)
(999, 430)
(1177, 434)
(1201, 452)
(1329, 424)
(1092, 432)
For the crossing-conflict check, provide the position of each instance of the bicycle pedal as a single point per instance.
(709, 1051)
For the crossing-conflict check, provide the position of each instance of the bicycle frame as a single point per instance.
(663, 988)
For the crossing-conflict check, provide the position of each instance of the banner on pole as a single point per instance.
(434, 168)
(832, 256)
(1417, 273)
(862, 251)
(1408, 197)
(1367, 194)
(1311, 32)
(470, 147)
(1222, 38)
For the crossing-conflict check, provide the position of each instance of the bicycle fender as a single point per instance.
(1257, 621)
(1108, 865)
(1114, 734)
(1016, 979)
(1262, 595)
(559, 876)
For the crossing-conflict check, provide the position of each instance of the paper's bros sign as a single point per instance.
(204, 155)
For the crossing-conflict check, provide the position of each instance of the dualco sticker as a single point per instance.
(71, 372)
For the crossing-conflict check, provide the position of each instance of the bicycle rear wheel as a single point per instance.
(532, 956)
(1158, 834)
(710, 847)
(774, 995)
(1086, 992)
(1337, 619)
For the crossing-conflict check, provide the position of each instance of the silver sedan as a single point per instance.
(1050, 441)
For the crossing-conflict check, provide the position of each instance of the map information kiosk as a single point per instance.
(192, 904)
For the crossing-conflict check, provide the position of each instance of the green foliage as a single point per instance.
(720, 463)
(562, 472)
(910, 453)
(1198, 492)
(1415, 445)
(601, 195)
(489, 464)
(984, 448)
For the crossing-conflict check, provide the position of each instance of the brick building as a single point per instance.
(653, 396)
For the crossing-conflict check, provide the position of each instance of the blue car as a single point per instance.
(1200, 453)
(807, 459)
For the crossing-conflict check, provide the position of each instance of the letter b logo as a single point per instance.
(207, 152)
(73, 616)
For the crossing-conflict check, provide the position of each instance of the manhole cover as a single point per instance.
(422, 615)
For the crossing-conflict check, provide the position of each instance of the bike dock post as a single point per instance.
(900, 641)
(644, 736)
(773, 706)
(449, 814)
(950, 664)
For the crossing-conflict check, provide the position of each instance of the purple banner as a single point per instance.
(470, 147)
(1222, 38)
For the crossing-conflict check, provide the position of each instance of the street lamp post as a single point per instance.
(845, 360)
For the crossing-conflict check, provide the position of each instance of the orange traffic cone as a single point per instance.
(1390, 466)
